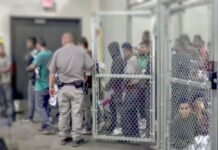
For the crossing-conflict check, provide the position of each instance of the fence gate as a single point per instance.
(188, 104)
(123, 82)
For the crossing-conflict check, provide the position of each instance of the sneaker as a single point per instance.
(117, 131)
(142, 124)
(78, 143)
(86, 132)
(66, 141)
(50, 119)
(110, 129)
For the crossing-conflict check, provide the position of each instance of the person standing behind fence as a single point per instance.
(88, 93)
(181, 60)
(6, 99)
(144, 91)
(129, 119)
(42, 85)
(200, 45)
(146, 37)
(32, 52)
(70, 62)
(115, 84)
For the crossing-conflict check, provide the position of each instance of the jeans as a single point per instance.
(42, 107)
(87, 110)
(129, 119)
(31, 100)
(6, 101)
(143, 104)
(115, 108)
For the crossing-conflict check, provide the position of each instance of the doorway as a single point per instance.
(49, 28)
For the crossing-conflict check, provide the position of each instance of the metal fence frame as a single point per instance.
(214, 30)
(163, 80)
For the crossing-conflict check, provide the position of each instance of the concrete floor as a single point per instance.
(24, 136)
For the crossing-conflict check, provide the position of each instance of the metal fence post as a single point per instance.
(214, 129)
(160, 79)
(94, 54)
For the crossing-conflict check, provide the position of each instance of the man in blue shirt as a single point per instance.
(42, 85)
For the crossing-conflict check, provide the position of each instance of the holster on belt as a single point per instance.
(77, 84)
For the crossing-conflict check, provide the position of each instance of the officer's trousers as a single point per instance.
(70, 102)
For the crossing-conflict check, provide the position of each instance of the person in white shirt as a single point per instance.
(129, 119)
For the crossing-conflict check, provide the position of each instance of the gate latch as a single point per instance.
(212, 73)
(213, 79)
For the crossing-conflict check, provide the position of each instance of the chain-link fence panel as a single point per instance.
(188, 106)
(189, 99)
(123, 109)
(188, 64)
(123, 95)
(190, 117)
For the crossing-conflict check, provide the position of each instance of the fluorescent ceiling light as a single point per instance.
(139, 1)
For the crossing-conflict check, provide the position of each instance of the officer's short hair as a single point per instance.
(68, 35)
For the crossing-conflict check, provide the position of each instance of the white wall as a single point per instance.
(113, 28)
(194, 21)
(139, 25)
(64, 8)
(113, 5)
(116, 28)
(198, 21)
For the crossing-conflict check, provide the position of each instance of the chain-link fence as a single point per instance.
(161, 93)
(123, 93)
(190, 101)
(189, 96)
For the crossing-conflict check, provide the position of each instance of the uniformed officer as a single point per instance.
(69, 63)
